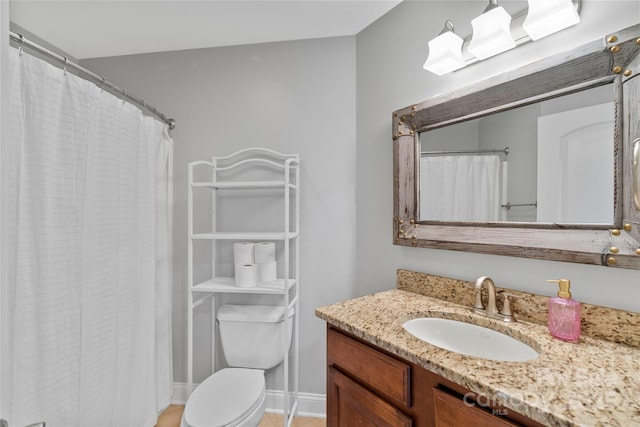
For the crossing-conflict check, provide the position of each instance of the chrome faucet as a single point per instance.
(491, 310)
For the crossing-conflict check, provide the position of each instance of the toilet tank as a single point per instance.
(254, 336)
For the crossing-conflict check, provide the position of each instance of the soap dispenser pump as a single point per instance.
(564, 313)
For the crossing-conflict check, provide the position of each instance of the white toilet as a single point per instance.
(252, 341)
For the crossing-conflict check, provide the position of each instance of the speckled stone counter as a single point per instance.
(610, 324)
(595, 382)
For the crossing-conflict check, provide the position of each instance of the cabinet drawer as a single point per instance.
(452, 411)
(388, 376)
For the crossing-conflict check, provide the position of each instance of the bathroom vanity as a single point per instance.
(368, 386)
(379, 374)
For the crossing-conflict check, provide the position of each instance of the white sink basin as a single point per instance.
(469, 339)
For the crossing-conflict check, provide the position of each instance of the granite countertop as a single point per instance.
(592, 383)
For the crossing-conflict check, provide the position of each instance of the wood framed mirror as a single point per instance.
(578, 210)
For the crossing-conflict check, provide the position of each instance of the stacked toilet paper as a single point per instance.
(254, 263)
(245, 269)
(265, 258)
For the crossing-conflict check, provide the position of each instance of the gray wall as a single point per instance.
(497, 131)
(294, 97)
(390, 76)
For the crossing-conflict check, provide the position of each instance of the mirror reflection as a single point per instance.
(548, 162)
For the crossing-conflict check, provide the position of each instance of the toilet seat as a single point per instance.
(226, 399)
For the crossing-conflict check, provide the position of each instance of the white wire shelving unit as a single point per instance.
(286, 166)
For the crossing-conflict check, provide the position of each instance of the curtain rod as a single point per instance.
(95, 78)
(504, 150)
(517, 205)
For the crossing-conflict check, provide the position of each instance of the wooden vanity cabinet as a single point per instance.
(367, 386)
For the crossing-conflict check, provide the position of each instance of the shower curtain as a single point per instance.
(89, 259)
(460, 188)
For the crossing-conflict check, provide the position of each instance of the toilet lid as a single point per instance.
(225, 398)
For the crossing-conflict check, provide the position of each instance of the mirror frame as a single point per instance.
(615, 60)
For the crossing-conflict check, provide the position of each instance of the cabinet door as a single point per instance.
(351, 405)
(451, 411)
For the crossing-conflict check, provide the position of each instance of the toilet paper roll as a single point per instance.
(267, 272)
(246, 275)
(243, 253)
(264, 252)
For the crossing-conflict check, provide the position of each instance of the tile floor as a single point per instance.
(171, 418)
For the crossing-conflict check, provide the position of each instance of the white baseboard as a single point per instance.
(180, 394)
(309, 404)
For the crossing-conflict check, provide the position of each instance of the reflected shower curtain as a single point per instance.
(89, 259)
(460, 188)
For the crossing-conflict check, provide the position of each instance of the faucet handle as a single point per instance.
(477, 303)
(506, 305)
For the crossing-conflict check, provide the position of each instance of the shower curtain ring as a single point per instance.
(21, 47)
(124, 94)
(104, 81)
(66, 61)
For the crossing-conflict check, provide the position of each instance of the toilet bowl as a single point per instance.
(232, 397)
(252, 339)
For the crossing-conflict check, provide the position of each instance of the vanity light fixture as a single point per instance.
(445, 52)
(491, 32)
(495, 31)
(546, 17)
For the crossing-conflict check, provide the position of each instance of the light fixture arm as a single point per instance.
(492, 5)
(448, 26)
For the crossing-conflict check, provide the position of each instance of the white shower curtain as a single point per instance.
(460, 188)
(89, 259)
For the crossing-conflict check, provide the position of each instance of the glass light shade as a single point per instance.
(491, 34)
(445, 54)
(546, 17)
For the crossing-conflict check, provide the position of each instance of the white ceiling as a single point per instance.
(97, 28)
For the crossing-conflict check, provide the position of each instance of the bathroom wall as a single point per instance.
(294, 97)
(390, 54)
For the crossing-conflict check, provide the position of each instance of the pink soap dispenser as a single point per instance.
(564, 313)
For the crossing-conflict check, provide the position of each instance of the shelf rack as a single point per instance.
(288, 166)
